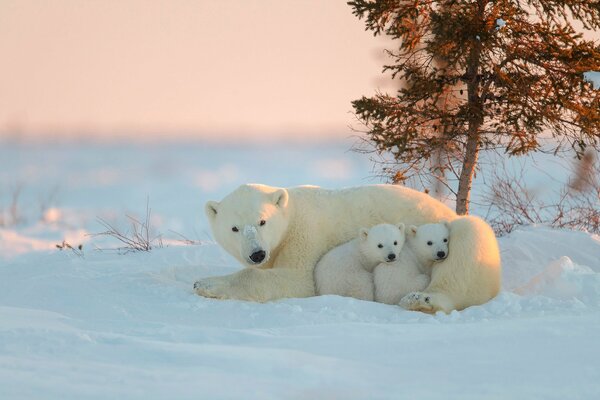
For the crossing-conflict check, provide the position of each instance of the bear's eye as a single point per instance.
(429, 243)
(235, 229)
(262, 222)
(395, 243)
(445, 240)
(380, 245)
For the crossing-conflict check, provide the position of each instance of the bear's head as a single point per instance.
(250, 222)
(430, 241)
(382, 243)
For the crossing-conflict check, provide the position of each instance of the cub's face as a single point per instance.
(382, 243)
(250, 222)
(430, 241)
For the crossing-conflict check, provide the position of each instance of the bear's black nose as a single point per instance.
(391, 256)
(441, 254)
(258, 256)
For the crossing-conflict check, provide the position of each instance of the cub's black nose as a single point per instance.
(391, 256)
(441, 254)
(258, 256)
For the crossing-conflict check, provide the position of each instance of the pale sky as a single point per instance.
(212, 68)
(249, 67)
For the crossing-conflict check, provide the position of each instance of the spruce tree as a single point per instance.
(479, 75)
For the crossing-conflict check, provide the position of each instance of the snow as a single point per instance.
(112, 325)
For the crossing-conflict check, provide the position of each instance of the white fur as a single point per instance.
(411, 272)
(346, 270)
(304, 223)
(429, 243)
(469, 276)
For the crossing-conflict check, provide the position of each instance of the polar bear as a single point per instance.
(280, 234)
(470, 275)
(429, 242)
(346, 270)
(411, 271)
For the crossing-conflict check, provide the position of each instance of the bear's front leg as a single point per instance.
(427, 302)
(260, 285)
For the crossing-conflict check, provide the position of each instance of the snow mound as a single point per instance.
(129, 326)
(564, 280)
(527, 251)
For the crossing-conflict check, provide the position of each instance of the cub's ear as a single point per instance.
(280, 198)
(401, 227)
(210, 208)
(363, 233)
(446, 224)
(412, 230)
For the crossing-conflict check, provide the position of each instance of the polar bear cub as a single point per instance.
(346, 270)
(411, 272)
(429, 243)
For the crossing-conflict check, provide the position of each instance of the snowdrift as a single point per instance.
(129, 326)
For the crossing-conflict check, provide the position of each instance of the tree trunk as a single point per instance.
(475, 121)
(466, 174)
(465, 179)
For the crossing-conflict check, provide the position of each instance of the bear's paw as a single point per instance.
(215, 287)
(418, 301)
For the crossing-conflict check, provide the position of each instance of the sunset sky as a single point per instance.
(252, 68)
(235, 67)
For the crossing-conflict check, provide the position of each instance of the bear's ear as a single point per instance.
(211, 208)
(412, 230)
(401, 227)
(446, 224)
(363, 233)
(280, 198)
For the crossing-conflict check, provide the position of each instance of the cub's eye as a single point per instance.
(445, 240)
(395, 243)
(429, 243)
(380, 245)
(262, 222)
(235, 229)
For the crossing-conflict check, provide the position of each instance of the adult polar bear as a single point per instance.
(280, 235)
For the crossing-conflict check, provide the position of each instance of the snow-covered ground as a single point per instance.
(128, 326)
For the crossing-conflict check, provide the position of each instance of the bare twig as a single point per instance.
(577, 204)
(78, 251)
(138, 238)
(186, 240)
(11, 215)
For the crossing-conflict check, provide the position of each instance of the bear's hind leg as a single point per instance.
(427, 302)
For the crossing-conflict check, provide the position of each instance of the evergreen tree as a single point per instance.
(479, 75)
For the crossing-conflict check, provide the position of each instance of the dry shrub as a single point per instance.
(77, 250)
(138, 237)
(11, 215)
(576, 205)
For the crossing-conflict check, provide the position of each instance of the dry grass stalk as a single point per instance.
(78, 251)
(137, 238)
